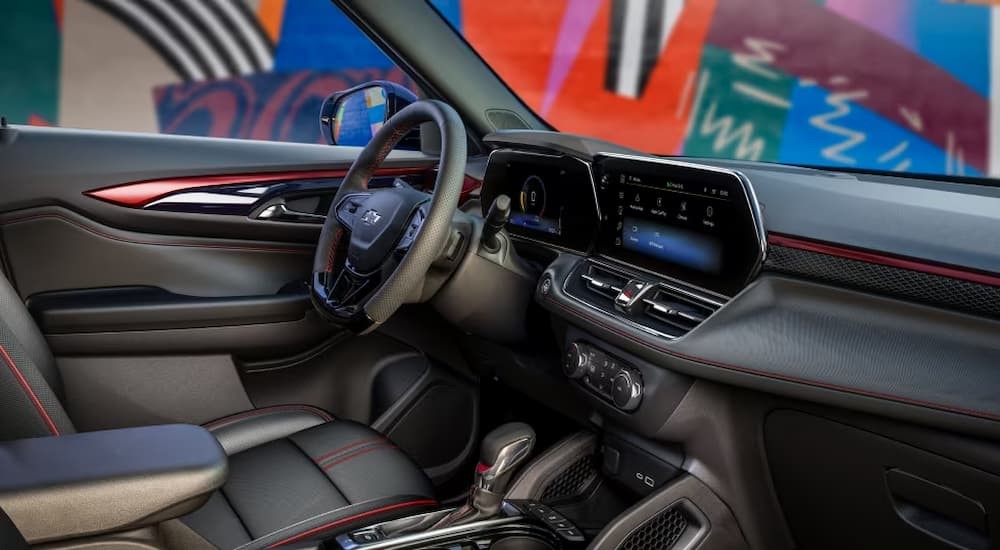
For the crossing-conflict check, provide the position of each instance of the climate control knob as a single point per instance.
(576, 361)
(626, 390)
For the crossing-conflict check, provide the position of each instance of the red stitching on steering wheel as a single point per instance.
(331, 258)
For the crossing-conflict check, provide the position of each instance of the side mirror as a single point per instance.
(352, 117)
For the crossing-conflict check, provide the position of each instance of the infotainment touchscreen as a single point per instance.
(694, 224)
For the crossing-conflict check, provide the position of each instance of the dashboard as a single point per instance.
(693, 224)
(663, 267)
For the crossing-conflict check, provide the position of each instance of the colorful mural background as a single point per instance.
(907, 85)
(255, 69)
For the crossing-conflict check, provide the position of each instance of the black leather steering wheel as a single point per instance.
(377, 244)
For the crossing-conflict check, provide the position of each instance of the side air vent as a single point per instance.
(603, 281)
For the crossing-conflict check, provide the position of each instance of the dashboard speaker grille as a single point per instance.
(661, 532)
(502, 119)
(573, 481)
(897, 282)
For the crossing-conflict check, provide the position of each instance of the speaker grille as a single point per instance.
(572, 481)
(502, 119)
(917, 286)
(661, 532)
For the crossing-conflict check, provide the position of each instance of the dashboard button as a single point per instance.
(572, 534)
(626, 390)
(577, 360)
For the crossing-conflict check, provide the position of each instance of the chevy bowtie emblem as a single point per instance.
(371, 217)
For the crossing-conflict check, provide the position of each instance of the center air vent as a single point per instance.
(671, 307)
(603, 281)
(665, 309)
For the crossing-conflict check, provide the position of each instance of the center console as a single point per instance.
(487, 520)
(521, 525)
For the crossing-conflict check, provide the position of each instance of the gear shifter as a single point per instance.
(496, 219)
(502, 451)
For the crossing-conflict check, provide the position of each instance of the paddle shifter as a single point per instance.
(503, 450)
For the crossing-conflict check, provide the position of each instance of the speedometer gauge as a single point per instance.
(533, 196)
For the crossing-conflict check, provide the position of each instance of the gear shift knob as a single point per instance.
(502, 451)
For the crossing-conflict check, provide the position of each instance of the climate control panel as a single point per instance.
(609, 377)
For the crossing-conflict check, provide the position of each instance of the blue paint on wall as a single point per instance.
(316, 35)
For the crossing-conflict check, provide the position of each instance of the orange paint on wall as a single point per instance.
(521, 52)
(518, 49)
(656, 121)
(270, 13)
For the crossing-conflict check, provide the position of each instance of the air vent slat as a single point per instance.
(604, 282)
(668, 306)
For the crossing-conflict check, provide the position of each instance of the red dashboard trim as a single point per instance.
(880, 258)
(140, 193)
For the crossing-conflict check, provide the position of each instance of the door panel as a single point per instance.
(54, 166)
(149, 308)
(53, 249)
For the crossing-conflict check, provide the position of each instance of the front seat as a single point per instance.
(295, 472)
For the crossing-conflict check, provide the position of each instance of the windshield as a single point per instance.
(897, 85)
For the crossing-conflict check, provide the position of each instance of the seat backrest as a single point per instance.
(30, 385)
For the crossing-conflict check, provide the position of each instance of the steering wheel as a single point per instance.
(378, 244)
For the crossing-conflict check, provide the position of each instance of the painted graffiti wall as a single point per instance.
(228, 68)
(901, 85)
(905, 85)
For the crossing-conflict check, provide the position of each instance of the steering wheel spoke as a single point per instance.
(412, 229)
(348, 207)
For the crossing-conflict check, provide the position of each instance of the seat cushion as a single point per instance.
(296, 474)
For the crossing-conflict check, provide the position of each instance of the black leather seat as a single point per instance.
(294, 471)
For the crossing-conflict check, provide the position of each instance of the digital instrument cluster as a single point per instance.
(693, 223)
(552, 197)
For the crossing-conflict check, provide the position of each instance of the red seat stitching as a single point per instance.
(27, 389)
(267, 410)
(364, 451)
(341, 521)
(351, 446)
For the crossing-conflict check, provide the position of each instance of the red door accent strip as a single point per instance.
(140, 193)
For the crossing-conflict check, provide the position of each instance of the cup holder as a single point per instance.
(521, 542)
